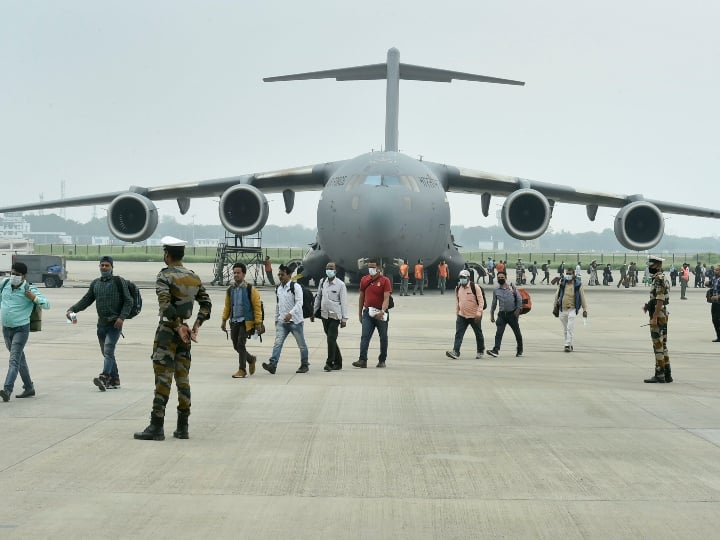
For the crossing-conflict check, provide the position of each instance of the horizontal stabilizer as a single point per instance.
(408, 72)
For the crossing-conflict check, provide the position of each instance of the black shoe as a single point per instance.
(269, 367)
(716, 340)
(5, 396)
(151, 433)
(336, 368)
(26, 393)
(360, 363)
(182, 428)
(302, 369)
(519, 353)
(493, 352)
(327, 367)
(99, 382)
(657, 378)
(381, 363)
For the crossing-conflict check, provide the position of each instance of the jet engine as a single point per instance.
(243, 209)
(132, 217)
(639, 226)
(525, 214)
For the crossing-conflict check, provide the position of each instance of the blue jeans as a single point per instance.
(281, 332)
(108, 337)
(461, 324)
(369, 324)
(15, 340)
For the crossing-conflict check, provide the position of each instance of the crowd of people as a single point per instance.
(178, 289)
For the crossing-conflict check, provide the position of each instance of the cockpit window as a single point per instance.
(409, 182)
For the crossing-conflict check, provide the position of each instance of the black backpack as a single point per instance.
(134, 293)
(308, 300)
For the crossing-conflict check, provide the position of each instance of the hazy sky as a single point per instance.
(620, 96)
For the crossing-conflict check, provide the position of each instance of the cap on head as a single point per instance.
(464, 273)
(107, 259)
(171, 241)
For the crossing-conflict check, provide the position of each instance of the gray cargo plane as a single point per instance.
(383, 204)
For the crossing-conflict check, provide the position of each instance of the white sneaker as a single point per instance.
(479, 355)
(452, 354)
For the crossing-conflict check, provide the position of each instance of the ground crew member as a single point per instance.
(442, 276)
(268, 271)
(404, 278)
(419, 277)
(177, 289)
(656, 308)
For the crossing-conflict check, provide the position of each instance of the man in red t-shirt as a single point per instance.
(375, 292)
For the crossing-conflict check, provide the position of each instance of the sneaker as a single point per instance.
(112, 385)
(568, 348)
(360, 363)
(493, 352)
(251, 364)
(302, 369)
(269, 367)
(519, 353)
(239, 374)
(381, 364)
(452, 354)
(4, 395)
(479, 355)
(99, 382)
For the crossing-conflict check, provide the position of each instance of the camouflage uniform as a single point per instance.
(177, 288)
(660, 290)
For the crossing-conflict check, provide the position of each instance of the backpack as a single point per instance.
(526, 304)
(308, 300)
(134, 293)
(474, 291)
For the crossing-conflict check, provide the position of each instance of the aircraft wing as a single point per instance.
(308, 178)
(459, 180)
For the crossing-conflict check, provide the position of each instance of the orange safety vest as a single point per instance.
(418, 271)
(443, 270)
(404, 271)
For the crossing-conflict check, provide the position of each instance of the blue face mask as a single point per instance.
(329, 273)
(463, 281)
(106, 273)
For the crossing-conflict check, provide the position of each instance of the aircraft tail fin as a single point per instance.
(393, 71)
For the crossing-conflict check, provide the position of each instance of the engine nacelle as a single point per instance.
(525, 214)
(243, 209)
(639, 226)
(131, 217)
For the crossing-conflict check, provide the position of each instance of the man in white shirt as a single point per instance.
(331, 301)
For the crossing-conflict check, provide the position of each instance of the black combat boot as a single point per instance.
(154, 432)
(659, 377)
(668, 373)
(182, 427)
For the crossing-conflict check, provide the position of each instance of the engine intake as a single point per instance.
(243, 209)
(639, 226)
(132, 217)
(525, 214)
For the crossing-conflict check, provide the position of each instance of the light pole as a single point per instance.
(193, 230)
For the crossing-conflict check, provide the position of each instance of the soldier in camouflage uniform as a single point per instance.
(177, 289)
(657, 310)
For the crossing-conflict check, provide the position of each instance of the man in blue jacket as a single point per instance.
(17, 300)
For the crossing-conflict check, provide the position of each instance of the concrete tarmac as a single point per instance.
(548, 445)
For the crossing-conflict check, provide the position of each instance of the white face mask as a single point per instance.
(568, 277)
(372, 271)
(329, 273)
(15, 280)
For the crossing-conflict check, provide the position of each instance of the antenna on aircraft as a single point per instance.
(392, 70)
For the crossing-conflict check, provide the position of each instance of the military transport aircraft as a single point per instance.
(384, 204)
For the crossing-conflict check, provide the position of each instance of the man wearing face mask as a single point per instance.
(569, 298)
(373, 304)
(113, 303)
(508, 301)
(656, 308)
(331, 300)
(17, 299)
(469, 305)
